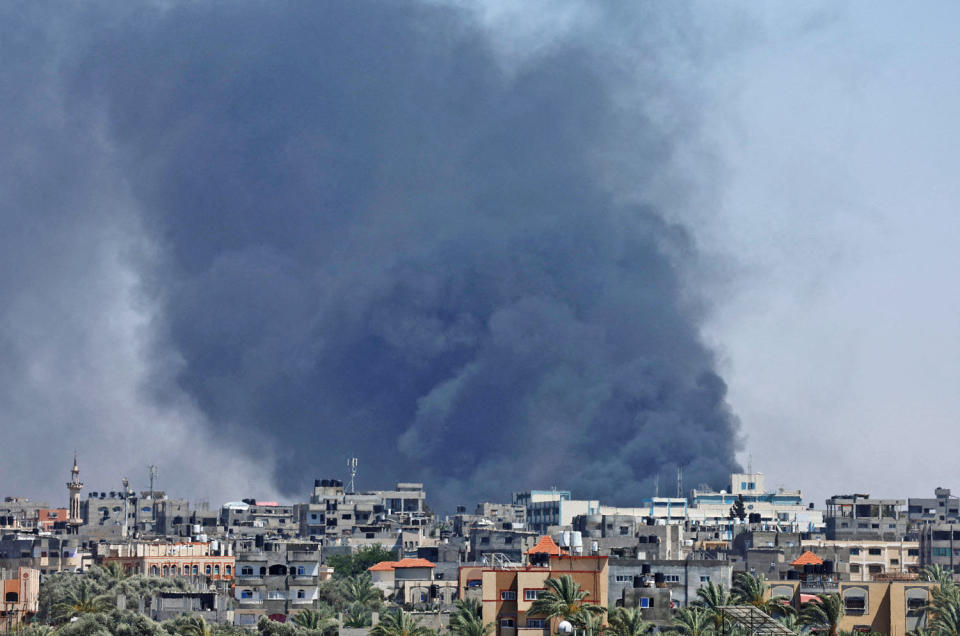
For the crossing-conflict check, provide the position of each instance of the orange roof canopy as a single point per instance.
(807, 558)
(546, 545)
(385, 566)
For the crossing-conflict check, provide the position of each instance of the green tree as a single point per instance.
(738, 510)
(319, 620)
(938, 574)
(347, 565)
(824, 613)
(751, 589)
(712, 597)
(357, 615)
(693, 621)
(627, 622)
(84, 599)
(564, 599)
(194, 626)
(467, 620)
(359, 589)
(399, 623)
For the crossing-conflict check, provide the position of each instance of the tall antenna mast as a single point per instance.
(126, 505)
(352, 467)
(153, 476)
(679, 480)
(750, 463)
(656, 485)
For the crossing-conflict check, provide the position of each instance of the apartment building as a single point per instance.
(865, 560)
(507, 591)
(782, 508)
(887, 607)
(858, 516)
(46, 554)
(21, 597)
(939, 544)
(681, 578)
(276, 577)
(211, 561)
(943, 507)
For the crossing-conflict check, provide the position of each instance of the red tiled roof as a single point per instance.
(546, 545)
(807, 558)
(385, 566)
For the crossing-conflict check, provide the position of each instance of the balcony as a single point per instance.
(301, 555)
(250, 601)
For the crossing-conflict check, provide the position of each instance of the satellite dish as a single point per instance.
(565, 627)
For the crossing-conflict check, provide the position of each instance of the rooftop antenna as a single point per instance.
(750, 463)
(153, 475)
(656, 485)
(679, 480)
(352, 467)
(126, 505)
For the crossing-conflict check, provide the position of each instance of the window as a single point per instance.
(206, 569)
(854, 551)
(216, 569)
(855, 605)
(944, 552)
(646, 602)
(154, 570)
(166, 570)
(301, 570)
(854, 568)
(894, 561)
(474, 583)
(301, 594)
(530, 595)
(508, 595)
(246, 570)
(913, 552)
(11, 597)
(226, 569)
(672, 578)
(874, 551)
(624, 578)
(246, 594)
(704, 579)
(537, 623)
(507, 622)
(196, 570)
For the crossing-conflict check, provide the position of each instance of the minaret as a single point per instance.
(74, 521)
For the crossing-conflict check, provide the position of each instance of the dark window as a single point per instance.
(11, 597)
(874, 551)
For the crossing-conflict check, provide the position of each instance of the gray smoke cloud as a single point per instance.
(362, 228)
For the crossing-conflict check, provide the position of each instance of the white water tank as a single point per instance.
(576, 542)
(565, 539)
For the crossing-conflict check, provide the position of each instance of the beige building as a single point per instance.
(213, 560)
(21, 596)
(868, 560)
(888, 607)
(508, 591)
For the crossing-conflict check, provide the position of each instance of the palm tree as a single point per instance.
(468, 621)
(116, 571)
(751, 589)
(792, 622)
(823, 613)
(628, 622)
(563, 599)
(713, 596)
(693, 621)
(317, 620)
(82, 601)
(938, 574)
(400, 623)
(946, 621)
(357, 616)
(194, 626)
(359, 589)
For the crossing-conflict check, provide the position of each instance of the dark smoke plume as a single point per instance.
(376, 240)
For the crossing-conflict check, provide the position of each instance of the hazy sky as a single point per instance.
(777, 179)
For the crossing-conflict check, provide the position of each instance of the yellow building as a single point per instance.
(21, 596)
(508, 590)
(887, 607)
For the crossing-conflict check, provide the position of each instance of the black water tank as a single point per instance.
(658, 578)
(637, 581)
(828, 567)
(645, 568)
(792, 575)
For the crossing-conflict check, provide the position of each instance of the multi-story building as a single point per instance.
(783, 509)
(944, 507)
(865, 560)
(682, 578)
(276, 577)
(860, 517)
(46, 554)
(21, 597)
(239, 516)
(886, 607)
(507, 591)
(512, 544)
(412, 581)
(213, 560)
(939, 544)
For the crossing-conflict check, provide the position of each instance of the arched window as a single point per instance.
(216, 569)
(206, 570)
(226, 570)
(196, 570)
(166, 570)
(301, 594)
(154, 570)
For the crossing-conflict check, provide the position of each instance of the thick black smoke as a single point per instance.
(378, 241)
